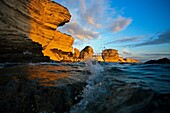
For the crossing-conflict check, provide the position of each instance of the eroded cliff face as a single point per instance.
(22, 20)
(46, 16)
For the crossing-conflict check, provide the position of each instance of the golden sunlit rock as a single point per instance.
(129, 60)
(46, 16)
(24, 22)
(111, 55)
(14, 32)
(86, 52)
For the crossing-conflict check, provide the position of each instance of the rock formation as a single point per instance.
(76, 53)
(121, 59)
(86, 52)
(159, 61)
(50, 15)
(110, 55)
(38, 88)
(37, 20)
(98, 58)
(129, 60)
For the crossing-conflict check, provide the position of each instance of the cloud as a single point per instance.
(126, 51)
(120, 23)
(161, 38)
(79, 31)
(93, 16)
(93, 12)
(129, 39)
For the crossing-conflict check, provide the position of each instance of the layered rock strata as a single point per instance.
(37, 20)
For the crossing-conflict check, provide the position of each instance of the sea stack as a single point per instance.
(86, 52)
(110, 55)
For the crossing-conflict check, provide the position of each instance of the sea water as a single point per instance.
(111, 87)
(126, 88)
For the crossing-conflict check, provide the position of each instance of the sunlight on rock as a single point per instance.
(45, 17)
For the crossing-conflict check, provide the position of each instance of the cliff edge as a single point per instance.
(28, 30)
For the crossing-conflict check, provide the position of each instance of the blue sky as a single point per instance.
(136, 28)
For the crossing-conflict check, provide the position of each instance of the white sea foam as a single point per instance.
(93, 66)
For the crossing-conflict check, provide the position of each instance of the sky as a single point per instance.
(136, 28)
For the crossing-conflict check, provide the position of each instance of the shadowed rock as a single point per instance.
(160, 61)
(39, 88)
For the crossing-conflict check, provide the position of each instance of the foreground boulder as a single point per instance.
(39, 88)
(37, 20)
(160, 61)
(86, 52)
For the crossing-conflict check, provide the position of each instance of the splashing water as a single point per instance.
(92, 86)
(123, 89)
(93, 66)
(110, 87)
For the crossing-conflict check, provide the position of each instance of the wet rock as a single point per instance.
(35, 89)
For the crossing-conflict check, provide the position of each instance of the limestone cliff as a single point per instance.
(37, 20)
(46, 16)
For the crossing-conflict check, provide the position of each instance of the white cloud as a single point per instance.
(80, 32)
(126, 51)
(128, 39)
(92, 13)
(161, 38)
(91, 16)
(120, 23)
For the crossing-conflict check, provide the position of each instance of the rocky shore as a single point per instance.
(26, 88)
